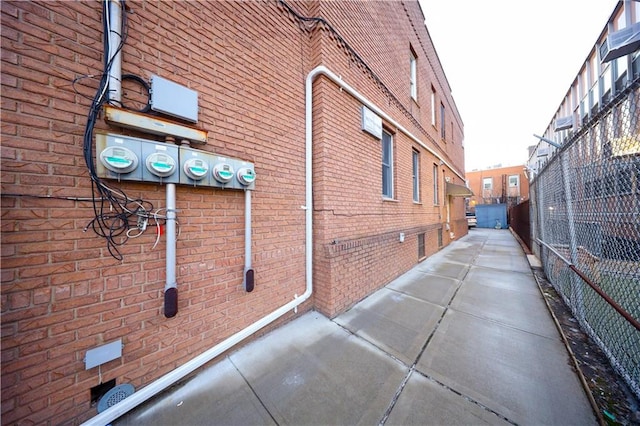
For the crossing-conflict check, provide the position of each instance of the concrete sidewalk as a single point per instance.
(464, 338)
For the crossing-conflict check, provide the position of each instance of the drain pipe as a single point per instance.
(248, 283)
(180, 372)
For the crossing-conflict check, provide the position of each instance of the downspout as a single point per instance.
(180, 372)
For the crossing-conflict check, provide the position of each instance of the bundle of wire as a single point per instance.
(115, 214)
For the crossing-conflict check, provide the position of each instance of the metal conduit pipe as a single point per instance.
(171, 286)
(115, 37)
(180, 372)
(248, 283)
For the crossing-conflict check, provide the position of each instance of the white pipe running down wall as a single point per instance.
(338, 80)
(180, 372)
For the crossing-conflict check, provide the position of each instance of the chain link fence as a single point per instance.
(585, 212)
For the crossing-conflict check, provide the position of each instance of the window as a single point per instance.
(435, 184)
(487, 183)
(416, 176)
(421, 252)
(387, 165)
(514, 186)
(621, 73)
(414, 75)
(442, 126)
(606, 78)
(433, 106)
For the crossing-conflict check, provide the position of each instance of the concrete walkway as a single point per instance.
(464, 338)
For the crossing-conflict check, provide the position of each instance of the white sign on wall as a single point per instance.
(371, 122)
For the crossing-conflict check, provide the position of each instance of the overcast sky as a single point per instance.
(509, 64)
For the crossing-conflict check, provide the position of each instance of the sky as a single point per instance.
(510, 64)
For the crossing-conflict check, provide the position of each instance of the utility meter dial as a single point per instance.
(119, 159)
(246, 176)
(223, 172)
(161, 164)
(196, 168)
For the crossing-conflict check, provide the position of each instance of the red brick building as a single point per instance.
(92, 258)
(500, 185)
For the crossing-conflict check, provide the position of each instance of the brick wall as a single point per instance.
(63, 293)
(498, 176)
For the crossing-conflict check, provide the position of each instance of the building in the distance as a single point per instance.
(499, 185)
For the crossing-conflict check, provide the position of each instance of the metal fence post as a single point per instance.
(576, 283)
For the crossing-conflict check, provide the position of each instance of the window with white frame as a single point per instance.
(487, 184)
(416, 176)
(413, 75)
(514, 181)
(387, 165)
(435, 185)
(442, 126)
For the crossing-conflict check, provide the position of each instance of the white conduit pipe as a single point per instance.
(338, 80)
(180, 372)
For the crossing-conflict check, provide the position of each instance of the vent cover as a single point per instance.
(115, 395)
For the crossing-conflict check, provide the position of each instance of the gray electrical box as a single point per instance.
(173, 99)
(101, 354)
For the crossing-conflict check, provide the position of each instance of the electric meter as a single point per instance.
(223, 172)
(161, 164)
(246, 176)
(196, 168)
(119, 159)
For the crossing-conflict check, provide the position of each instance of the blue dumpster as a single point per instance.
(492, 216)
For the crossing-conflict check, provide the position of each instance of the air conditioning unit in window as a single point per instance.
(620, 43)
(563, 123)
(543, 151)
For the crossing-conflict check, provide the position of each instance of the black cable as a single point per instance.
(52, 197)
(146, 87)
(114, 212)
